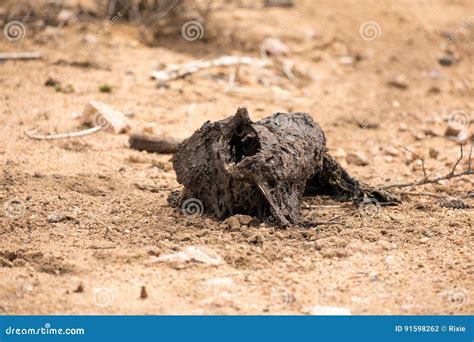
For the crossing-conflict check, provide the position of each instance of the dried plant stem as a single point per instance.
(427, 180)
(430, 181)
(424, 194)
(175, 71)
(20, 56)
(33, 135)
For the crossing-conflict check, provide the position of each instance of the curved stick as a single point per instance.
(32, 135)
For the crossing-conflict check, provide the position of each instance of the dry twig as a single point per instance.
(424, 194)
(417, 156)
(175, 71)
(20, 56)
(33, 135)
(427, 180)
(151, 143)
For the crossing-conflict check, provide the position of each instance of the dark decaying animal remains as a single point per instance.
(263, 169)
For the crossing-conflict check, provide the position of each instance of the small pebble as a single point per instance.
(447, 60)
(79, 289)
(389, 259)
(433, 153)
(56, 217)
(424, 239)
(228, 282)
(346, 60)
(373, 276)
(255, 239)
(399, 82)
(357, 158)
(339, 153)
(143, 293)
(392, 151)
(334, 253)
(232, 223)
(274, 47)
(384, 244)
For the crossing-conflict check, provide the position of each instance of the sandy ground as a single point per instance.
(414, 258)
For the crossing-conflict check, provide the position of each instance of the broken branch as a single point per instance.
(457, 161)
(430, 181)
(417, 156)
(20, 56)
(427, 180)
(175, 71)
(33, 135)
(150, 143)
(424, 194)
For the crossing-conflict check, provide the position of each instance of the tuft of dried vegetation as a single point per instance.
(154, 17)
